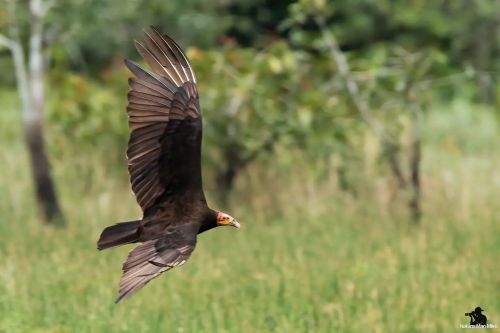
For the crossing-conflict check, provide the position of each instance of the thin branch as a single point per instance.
(21, 77)
(239, 98)
(16, 48)
(13, 28)
(36, 58)
(351, 85)
(6, 42)
(266, 145)
(46, 7)
(415, 158)
(440, 80)
(381, 73)
(389, 147)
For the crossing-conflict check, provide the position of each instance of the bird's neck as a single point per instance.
(209, 222)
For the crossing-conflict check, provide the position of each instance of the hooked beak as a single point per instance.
(235, 224)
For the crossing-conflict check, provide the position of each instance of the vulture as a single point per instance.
(164, 165)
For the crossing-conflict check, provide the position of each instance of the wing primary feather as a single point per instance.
(152, 42)
(164, 121)
(142, 85)
(154, 63)
(143, 74)
(139, 268)
(176, 49)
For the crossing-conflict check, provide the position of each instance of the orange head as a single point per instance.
(225, 219)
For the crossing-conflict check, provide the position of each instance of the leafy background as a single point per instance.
(328, 243)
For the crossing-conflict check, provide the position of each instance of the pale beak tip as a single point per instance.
(235, 224)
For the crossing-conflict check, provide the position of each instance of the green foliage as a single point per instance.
(461, 32)
(328, 263)
(285, 91)
(251, 98)
(308, 183)
(88, 112)
(324, 247)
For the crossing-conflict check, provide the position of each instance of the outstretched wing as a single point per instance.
(154, 257)
(165, 121)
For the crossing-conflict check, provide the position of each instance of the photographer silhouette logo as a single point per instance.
(477, 319)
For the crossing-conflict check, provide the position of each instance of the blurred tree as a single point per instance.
(465, 32)
(249, 101)
(397, 76)
(252, 22)
(96, 32)
(30, 82)
(302, 83)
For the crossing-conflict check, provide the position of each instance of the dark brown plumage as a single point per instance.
(164, 164)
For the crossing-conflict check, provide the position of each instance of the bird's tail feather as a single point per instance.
(118, 234)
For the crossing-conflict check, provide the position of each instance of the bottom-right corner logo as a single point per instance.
(477, 319)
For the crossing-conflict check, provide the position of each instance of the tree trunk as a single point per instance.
(33, 120)
(414, 202)
(225, 182)
(31, 90)
(391, 152)
(227, 176)
(415, 161)
(44, 185)
(484, 56)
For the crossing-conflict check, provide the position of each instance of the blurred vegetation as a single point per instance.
(307, 259)
(266, 75)
(325, 245)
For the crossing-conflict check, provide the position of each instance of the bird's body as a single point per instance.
(164, 164)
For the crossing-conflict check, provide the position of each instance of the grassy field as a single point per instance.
(327, 264)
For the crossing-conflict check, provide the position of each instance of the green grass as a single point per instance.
(326, 266)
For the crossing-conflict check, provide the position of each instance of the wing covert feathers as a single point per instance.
(157, 102)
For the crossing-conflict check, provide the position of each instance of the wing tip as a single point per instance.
(129, 63)
(133, 67)
(153, 29)
(121, 297)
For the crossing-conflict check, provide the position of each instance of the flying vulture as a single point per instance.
(164, 156)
